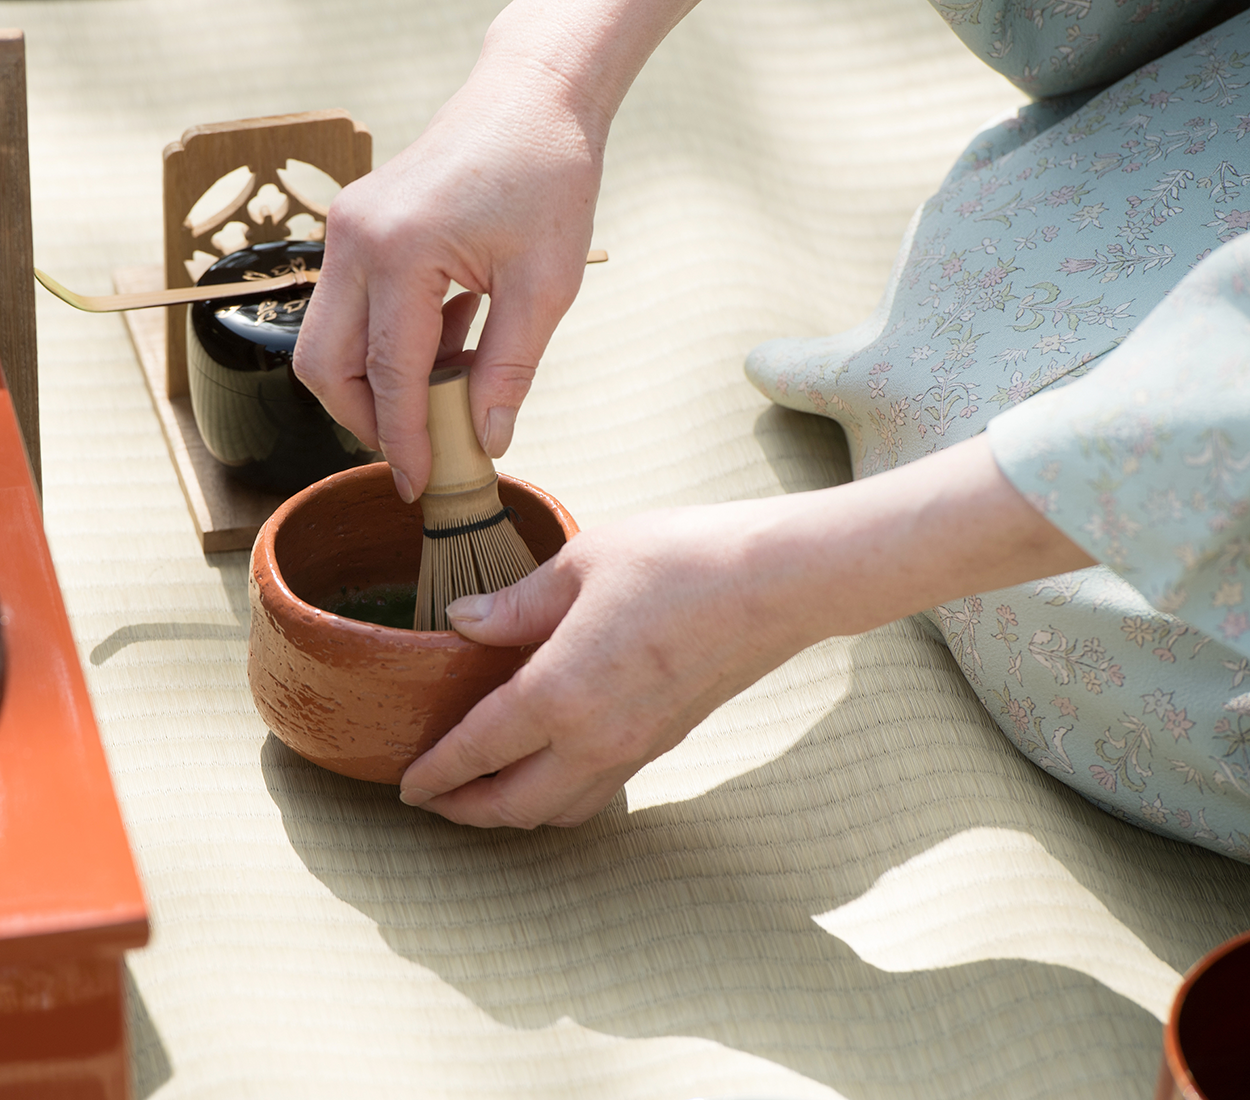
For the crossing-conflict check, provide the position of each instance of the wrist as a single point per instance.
(589, 50)
(857, 556)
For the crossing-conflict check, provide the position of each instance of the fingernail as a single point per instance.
(470, 609)
(499, 424)
(402, 485)
(414, 796)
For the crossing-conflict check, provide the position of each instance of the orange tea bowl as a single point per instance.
(357, 697)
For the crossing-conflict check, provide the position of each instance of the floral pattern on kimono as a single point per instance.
(1051, 47)
(1058, 232)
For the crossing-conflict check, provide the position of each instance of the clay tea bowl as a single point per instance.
(365, 699)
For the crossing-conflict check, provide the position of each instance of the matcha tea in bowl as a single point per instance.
(366, 698)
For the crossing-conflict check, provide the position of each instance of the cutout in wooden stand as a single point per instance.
(276, 178)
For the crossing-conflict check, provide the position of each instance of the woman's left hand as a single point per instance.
(650, 624)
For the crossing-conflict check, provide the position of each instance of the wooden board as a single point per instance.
(226, 514)
(17, 279)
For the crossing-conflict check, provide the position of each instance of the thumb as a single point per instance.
(526, 612)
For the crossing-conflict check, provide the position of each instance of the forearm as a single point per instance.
(854, 557)
(594, 47)
(650, 624)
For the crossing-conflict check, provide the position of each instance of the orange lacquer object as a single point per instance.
(70, 900)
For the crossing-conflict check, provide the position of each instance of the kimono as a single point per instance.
(1079, 288)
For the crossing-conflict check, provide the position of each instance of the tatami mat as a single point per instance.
(845, 883)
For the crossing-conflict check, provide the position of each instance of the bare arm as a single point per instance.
(652, 623)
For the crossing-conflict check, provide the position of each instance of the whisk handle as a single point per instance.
(458, 464)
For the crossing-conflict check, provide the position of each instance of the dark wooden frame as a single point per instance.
(17, 269)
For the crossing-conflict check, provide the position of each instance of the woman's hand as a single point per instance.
(650, 624)
(498, 195)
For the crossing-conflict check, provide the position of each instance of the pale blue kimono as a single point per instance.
(1080, 287)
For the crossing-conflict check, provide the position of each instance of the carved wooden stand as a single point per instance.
(227, 514)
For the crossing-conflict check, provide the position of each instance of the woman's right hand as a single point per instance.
(498, 195)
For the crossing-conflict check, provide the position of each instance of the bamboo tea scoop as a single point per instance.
(111, 303)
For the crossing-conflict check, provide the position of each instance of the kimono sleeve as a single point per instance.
(1055, 47)
(1145, 461)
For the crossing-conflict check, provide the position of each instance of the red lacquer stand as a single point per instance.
(70, 900)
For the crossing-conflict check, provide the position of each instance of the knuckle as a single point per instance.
(349, 214)
(396, 445)
(383, 370)
(507, 385)
(473, 756)
(308, 369)
(512, 817)
(379, 355)
(564, 294)
(500, 381)
(515, 604)
(512, 374)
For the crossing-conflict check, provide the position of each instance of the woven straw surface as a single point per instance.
(845, 883)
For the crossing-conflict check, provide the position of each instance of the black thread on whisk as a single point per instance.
(507, 512)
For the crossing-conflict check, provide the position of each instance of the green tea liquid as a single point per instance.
(382, 604)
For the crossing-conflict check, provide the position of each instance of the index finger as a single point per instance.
(405, 326)
(330, 352)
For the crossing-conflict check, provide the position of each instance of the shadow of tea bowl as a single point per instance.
(361, 698)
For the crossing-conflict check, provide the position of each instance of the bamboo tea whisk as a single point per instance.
(470, 544)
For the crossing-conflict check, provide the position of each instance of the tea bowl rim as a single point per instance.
(291, 608)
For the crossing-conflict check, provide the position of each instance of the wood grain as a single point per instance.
(17, 285)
